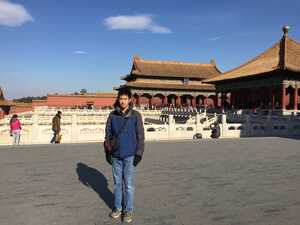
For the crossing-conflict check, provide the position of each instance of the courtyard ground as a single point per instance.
(248, 181)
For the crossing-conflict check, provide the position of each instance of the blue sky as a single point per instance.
(62, 46)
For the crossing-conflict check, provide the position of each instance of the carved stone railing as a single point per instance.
(89, 126)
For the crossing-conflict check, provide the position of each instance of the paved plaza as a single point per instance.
(249, 181)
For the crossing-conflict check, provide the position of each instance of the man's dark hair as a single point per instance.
(58, 112)
(124, 91)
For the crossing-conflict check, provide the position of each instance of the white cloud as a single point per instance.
(80, 52)
(215, 38)
(159, 29)
(242, 34)
(13, 15)
(138, 22)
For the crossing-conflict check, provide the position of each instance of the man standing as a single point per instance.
(56, 128)
(125, 131)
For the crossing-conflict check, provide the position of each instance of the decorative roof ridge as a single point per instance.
(135, 66)
(1, 94)
(143, 82)
(174, 62)
(244, 64)
(283, 47)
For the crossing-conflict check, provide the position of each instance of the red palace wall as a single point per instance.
(19, 109)
(36, 103)
(69, 101)
(99, 100)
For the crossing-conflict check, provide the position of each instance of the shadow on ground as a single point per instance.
(94, 179)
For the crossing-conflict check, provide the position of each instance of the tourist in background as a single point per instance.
(1, 113)
(15, 129)
(215, 130)
(124, 147)
(56, 128)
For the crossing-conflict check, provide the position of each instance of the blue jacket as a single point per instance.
(131, 138)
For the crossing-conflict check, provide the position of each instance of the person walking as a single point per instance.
(56, 128)
(15, 129)
(124, 147)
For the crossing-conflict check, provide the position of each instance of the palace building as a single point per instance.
(271, 80)
(161, 83)
(5, 105)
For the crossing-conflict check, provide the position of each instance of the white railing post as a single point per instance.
(171, 127)
(35, 135)
(199, 128)
(74, 128)
(224, 125)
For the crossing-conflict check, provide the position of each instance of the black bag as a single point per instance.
(112, 143)
(197, 136)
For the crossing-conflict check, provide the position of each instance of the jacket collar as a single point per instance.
(127, 113)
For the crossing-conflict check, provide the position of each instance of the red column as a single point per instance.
(222, 100)
(296, 98)
(273, 97)
(150, 101)
(165, 100)
(205, 101)
(225, 99)
(1, 114)
(137, 100)
(283, 96)
(194, 101)
(254, 95)
(178, 100)
(241, 98)
(250, 98)
(232, 98)
(216, 103)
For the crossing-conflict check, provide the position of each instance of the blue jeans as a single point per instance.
(123, 173)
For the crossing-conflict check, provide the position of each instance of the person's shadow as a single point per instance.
(94, 179)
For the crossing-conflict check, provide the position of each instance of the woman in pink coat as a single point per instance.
(15, 129)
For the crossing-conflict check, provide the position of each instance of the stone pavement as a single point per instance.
(250, 181)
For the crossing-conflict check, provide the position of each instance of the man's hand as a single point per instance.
(137, 160)
(108, 158)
